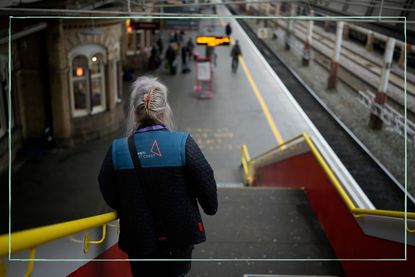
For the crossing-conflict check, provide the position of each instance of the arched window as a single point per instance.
(87, 80)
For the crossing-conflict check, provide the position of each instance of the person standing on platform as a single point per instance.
(190, 48)
(160, 45)
(184, 55)
(154, 60)
(235, 53)
(171, 58)
(228, 29)
(154, 178)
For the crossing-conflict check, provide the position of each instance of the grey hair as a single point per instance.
(157, 110)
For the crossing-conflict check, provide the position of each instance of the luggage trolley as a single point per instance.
(203, 87)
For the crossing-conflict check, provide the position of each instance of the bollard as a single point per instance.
(306, 54)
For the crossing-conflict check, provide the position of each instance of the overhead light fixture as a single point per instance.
(79, 72)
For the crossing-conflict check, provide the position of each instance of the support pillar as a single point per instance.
(290, 28)
(277, 12)
(266, 21)
(369, 41)
(375, 121)
(307, 42)
(332, 81)
(267, 9)
(401, 62)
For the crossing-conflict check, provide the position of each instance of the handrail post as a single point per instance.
(246, 165)
(31, 263)
(87, 239)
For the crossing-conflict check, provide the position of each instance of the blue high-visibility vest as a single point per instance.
(154, 149)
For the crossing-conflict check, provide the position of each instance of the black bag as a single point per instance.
(158, 225)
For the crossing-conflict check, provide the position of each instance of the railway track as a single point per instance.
(382, 189)
(359, 60)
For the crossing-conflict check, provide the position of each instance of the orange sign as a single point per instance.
(213, 41)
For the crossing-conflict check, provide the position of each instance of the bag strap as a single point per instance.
(138, 169)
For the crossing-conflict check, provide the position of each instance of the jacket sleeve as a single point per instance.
(107, 181)
(201, 177)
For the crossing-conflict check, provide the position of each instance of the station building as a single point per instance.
(66, 83)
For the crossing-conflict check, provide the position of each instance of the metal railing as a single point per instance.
(249, 165)
(30, 239)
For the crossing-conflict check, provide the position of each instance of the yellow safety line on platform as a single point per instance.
(261, 101)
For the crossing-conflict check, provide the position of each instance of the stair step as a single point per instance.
(279, 275)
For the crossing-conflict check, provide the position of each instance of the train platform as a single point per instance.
(264, 227)
(252, 223)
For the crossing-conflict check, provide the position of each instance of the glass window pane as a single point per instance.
(130, 42)
(79, 66)
(80, 94)
(96, 91)
(96, 62)
(138, 41)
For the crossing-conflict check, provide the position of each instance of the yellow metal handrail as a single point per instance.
(33, 237)
(357, 212)
(397, 214)
(329, 172)
(266, 154)
(245, 160)
(31, 264)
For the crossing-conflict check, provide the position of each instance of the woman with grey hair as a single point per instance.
(154, 179)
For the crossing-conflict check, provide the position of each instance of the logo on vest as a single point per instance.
(154, 150)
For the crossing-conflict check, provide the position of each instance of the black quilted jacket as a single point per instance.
(170, 209)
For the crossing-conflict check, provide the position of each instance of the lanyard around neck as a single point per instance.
(150, 128)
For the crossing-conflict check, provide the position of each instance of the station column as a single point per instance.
(307, 42)
(332, 81)
(376, 122)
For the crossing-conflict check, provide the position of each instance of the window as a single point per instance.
(135, 42)
(4, 97)
(117, 74)
(87, 80)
